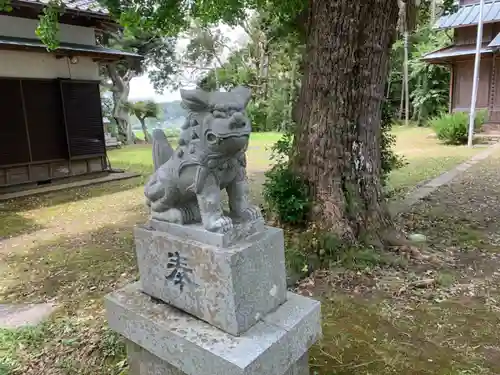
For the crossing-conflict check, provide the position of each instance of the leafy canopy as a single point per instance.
(159, 56)
(168, 18)
(144, 109)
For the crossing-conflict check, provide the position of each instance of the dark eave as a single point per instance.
(66, 49)
(468, 15)
(71, 14)
(83, 7)
(448, 54)
(495, 43)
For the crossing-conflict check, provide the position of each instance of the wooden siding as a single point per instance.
(49, 129)
(468, 2)
(495, 96)
(463, 72)
(467, 35)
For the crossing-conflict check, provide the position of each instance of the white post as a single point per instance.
(406, 79)
(433, 12)
(475, 81)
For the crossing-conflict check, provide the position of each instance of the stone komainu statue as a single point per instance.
(186, 185)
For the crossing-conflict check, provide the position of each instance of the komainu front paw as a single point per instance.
(172, 215)
(221, 225)
(251, 214)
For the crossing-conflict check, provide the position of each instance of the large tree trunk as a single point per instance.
(121, 90)
(147, 137)
(337, 144)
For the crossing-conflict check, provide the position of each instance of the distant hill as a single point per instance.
(171, 115)
(173, 110)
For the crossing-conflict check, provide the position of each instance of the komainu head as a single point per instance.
(218, 119)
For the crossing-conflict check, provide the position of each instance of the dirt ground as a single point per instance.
(436, 314)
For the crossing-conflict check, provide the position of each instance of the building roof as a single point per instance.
(468, 15)
(448, 53)
(66, 49)
(495, 43)
(85, 6)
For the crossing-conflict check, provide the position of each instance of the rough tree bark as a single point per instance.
(121, 89)
(337, 143)
(147, 136)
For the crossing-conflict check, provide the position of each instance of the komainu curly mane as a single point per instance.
(187, 183)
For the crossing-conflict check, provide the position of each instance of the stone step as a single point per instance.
(165, 340)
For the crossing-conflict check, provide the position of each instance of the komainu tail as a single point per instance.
(162, 151)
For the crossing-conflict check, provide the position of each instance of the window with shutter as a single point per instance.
(14, 147)
(83, 116)
(47, 135)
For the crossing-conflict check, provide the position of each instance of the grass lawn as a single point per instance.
(426, 157)
(72, 247)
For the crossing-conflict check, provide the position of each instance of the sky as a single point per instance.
(141, 87)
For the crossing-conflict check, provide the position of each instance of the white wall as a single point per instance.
(25, 28)
(44, 65)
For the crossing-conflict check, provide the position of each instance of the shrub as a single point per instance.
(172, 133)
(480, 119)
(287, 195)
(452, 128)
(390, 161)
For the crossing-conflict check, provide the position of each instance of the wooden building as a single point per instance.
(51, 126)
(460, 57)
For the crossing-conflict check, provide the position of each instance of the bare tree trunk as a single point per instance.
(147, 137)
(433, 12)
(406, 78)
(121, 90)
(337, 143)
(402, 100)
(264, 75)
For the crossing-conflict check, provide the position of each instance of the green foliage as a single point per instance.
(287, 195)
(5, 6)
(273, 114)
(48, 27)
(431, 82)
(160, 60)
(389, 159)
(143, 109)
(172, 133)
(159, 56)
(270, 66)
(205, 47)
(106, 104)
(452, 128)
(480, 118)
(449, 6)
(173, 16)
(428, 83)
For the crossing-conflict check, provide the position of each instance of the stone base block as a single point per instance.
(196, 232)
(231, 288)
(273, 346)
(142, 362)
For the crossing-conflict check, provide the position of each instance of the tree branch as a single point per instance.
(115, 77)
(129, 75)
(107, 85)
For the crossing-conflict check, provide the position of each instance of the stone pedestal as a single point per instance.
(230, 287)
(213, 304)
